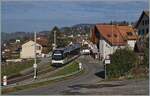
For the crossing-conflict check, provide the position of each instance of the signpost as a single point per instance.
(107, 61)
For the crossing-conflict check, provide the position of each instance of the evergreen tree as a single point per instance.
(59, 35)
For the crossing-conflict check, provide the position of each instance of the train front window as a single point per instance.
(57, 55)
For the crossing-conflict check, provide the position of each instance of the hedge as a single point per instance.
(121, 62)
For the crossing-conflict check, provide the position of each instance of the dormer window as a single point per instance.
(108, 35)
(129, 33)
(115, 35)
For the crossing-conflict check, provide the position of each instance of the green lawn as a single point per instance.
(14, 68)
(74, 66)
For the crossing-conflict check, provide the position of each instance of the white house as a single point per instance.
(28, 50)
(108, 38)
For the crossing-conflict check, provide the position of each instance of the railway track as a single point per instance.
(44, 72)
(21, 78)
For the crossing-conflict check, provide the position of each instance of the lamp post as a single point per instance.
(35, 65)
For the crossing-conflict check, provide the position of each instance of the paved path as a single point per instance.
(88, 77)
(125, 87)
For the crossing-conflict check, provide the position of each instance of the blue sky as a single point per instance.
(32, 16)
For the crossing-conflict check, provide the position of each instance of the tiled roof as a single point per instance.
(114, 34)
(128, 32)
(42, 41)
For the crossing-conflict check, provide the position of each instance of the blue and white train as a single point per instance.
(61, 56)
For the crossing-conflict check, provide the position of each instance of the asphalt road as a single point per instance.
(89, 84)
(88, 77)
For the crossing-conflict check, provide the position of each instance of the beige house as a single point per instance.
(28, 50)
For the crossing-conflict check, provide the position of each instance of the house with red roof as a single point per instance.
(108, 38)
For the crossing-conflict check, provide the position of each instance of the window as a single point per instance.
(97, 34)
(142, 33)
(139, 32)
(115, 35)
(108, 35)
(38, 48)
(129, 33)
(147, 31)
(147, 22)
(143, 22)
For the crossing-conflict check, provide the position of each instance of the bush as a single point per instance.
(146, 58)
(121, 62)
(146, 53)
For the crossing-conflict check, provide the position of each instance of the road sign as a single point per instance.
(34, 65)
(80, 65)
(4, 80)
(107, 61)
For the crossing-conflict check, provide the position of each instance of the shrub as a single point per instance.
(121, 62)
(146, 53)
(146, 58)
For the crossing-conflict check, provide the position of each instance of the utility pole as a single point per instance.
(35, 65)
(54, 39)
(100, 49)
(112, 37)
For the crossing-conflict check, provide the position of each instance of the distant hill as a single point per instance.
(72, 30)
(15, 35)
(77, 29)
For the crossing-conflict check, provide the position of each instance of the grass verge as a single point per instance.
(13, 69)
(72, 66)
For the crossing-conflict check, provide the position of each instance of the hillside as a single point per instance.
(5, 37)
(73, 30)
(77, 29)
